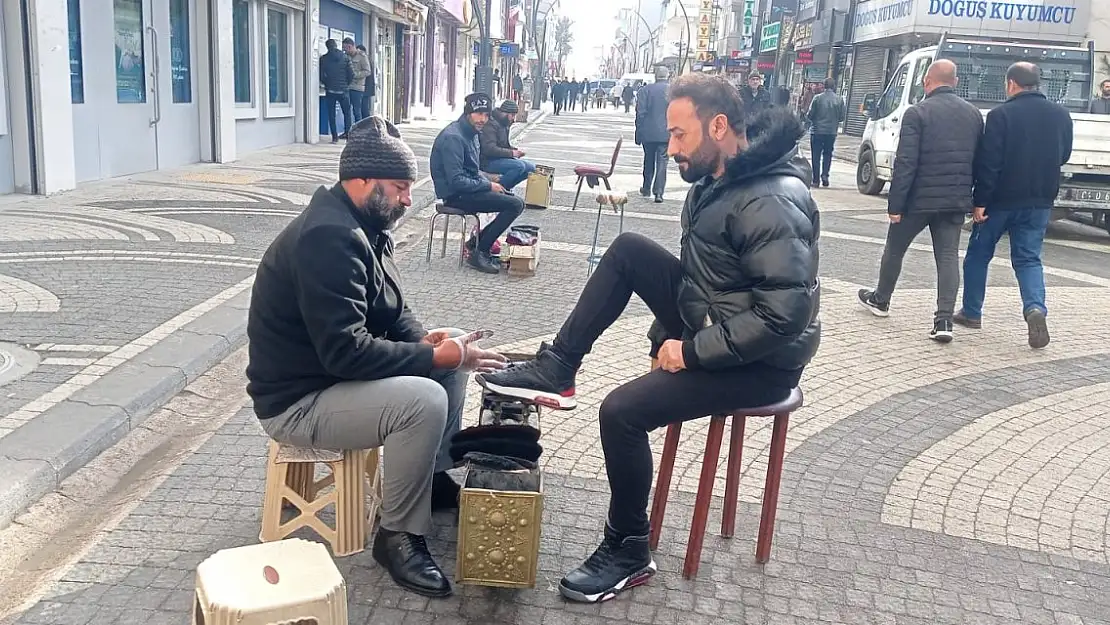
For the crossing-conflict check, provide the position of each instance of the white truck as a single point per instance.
(1067, 79)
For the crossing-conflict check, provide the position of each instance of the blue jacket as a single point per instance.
(454, 161)
(651, 113)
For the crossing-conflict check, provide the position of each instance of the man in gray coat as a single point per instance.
(360, 63)
(652, 134)
(826, 111)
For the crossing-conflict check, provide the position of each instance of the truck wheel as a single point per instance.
(867, 180)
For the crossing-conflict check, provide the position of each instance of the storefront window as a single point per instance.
(277, 55)
(130, 72)
(76, 66)
(180, 57)
(241, 50)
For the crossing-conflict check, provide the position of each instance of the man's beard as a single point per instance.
(378, 207)
(702, 162)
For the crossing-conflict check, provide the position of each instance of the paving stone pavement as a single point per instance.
(923, 483)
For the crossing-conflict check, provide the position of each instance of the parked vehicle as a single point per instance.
(1067, 75)
(637, 80)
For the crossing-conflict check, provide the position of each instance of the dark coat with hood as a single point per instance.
(750, 256)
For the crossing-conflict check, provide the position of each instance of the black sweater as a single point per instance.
(1025, 142)
(327, 307)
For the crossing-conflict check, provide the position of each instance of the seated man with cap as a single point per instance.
(339, 361)
(498, 155)
(458, 181)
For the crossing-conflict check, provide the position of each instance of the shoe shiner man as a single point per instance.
(459, 183)
(338, 361)
(498, 155)
(736, 317)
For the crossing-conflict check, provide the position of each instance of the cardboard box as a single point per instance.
(541, 184)
(522, 260)
(499, 537)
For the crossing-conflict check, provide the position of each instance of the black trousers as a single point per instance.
(344, 102)
(821, 152)
(507, 206)
(635, 264)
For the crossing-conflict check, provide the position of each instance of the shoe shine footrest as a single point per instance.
(499, 533)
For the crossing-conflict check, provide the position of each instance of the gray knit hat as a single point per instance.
(376, 151)
(509, 106)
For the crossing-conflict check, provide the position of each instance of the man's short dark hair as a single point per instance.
(830, 84)
(330, 44)
(712, 95)
(1024, 75)
(348, 41)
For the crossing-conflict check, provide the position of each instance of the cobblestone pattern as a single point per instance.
(887, 414)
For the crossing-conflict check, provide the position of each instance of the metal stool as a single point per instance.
(447, 212)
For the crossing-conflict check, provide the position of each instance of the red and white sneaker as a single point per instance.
(546, 381)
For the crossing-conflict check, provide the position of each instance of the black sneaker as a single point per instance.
(875, 307)
(1038, 328)
(482, 261)
(824, 182)
(942, 331)
(546, 381)
(659, 199)
(618, 564)
(961, 319)
(645, 192)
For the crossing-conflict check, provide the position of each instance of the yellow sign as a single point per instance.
(707, 6)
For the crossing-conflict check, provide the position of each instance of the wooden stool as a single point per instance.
(781, 412)
(291, 476)
(290, 582)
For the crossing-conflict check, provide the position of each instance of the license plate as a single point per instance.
(1090, 195)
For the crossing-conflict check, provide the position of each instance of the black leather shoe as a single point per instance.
(405, 557)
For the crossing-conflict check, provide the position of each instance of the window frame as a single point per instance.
(73, 18)
(272, 110)
(902, 69)
(247, 110)
(190, 28)
(917, 87)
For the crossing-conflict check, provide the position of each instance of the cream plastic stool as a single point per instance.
(289, 582)
(290, 476)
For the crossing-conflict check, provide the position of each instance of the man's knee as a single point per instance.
(616, 412)
(627, 244)
(424, 408)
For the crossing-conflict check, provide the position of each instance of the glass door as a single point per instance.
(123, 109)
(176, 115)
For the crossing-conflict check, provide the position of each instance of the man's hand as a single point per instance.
(518, 153)
(670, 356)
(496, 187)
(979, 215)
(894, 218)
(463, 353)
(435, 337)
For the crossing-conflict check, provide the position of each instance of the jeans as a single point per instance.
(1026, 227)
(636, 264)
(513, 171)
(821, 152)
(344, 102)
(413, 417)
(655, 168)
(367, 102)
(945, 229)
(558, 105)
(356, 104)
(507, 206)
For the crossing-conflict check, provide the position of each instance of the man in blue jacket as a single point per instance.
(652, 134)
(1026, 141)
(455, 160)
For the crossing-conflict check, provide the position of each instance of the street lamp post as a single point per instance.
(651, 37)
(681, 52)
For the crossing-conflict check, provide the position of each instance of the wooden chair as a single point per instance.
(781, 412)
(291, 477)
(593, 174)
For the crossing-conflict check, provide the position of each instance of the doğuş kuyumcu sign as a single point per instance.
(1037, 20)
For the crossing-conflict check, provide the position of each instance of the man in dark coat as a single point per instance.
(498, 156)
(934, 170)
(339, 361)
(736, 315)
(756, 98)
(826, 111)
(1026, 141)
(559, 94)
(336, 74)
(627, 95)
(651, 133)
(455, 163)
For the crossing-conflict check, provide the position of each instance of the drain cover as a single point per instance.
(15, 362)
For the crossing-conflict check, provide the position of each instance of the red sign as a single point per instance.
(765, 65)
(804, 57)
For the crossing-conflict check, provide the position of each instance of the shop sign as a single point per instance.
(769, 37)
(749, 18)
(807, 9)
(1033, 20)
(509, 49)
(803, 57)
(408, 11)
(763, 65)
(803, 35)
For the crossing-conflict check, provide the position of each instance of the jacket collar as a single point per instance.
(371, 226)
(940, 90)
(773, 137)
(465, 128)
(1022, 94)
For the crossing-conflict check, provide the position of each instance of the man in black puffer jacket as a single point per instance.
(336, 74)
(737, 311)
(933, 175)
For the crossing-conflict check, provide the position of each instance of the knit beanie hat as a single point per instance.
(376, 151)
(477, 103)
(510, 107)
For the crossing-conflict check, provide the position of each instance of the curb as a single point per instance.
(38, 456)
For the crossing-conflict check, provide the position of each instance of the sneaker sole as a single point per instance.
(942, 337)
(550, 400)
(871, 309)
(1038, 331)
(638, 578)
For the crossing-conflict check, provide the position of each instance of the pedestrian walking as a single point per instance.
(1101, 104)
(934, 171)
(336, 74)
(652, 134)
(756, 98)
(558, 94)
(627, 95)
(360, 64)
(826, 111)
(1026, 141)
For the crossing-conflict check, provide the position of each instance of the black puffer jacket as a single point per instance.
(934, 170)
(750, 257)
(494, 139)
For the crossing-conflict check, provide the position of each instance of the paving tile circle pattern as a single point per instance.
(15, 362)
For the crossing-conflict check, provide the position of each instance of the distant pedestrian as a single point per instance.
(652, 134)
(826, 111)
(558, 94)
(627, 95)
(1026, 141)
(1101, 104)
(497, 83)
(360, 63)
(371, 89)
(934, 170)
(336, 74)
(756, 98)
(518, 88)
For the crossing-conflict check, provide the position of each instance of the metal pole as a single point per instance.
(682, 60)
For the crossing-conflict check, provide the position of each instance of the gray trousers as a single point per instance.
(945, 230)
(413, 417)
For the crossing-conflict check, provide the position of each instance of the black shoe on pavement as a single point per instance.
(1038, 328)
(407, 560)
(445, 492)
(620, 563)
(961, 319)
(547, 381)
(471, 243)
(659, 199)
(645, 192)
(873, 306)
(824, 182)
(482, 261)
(942, 331)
